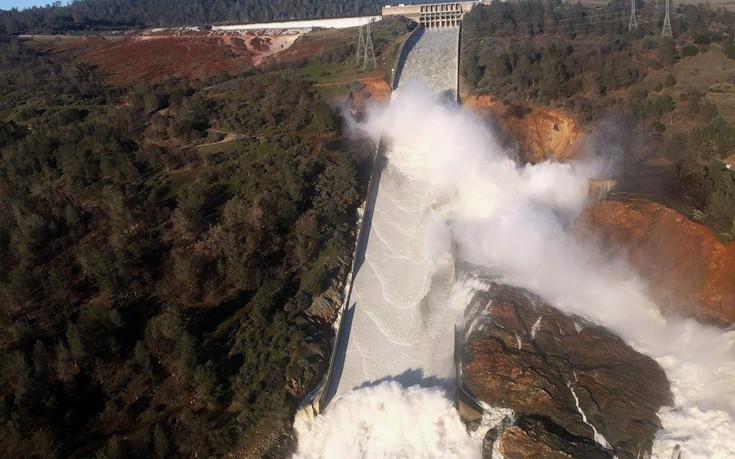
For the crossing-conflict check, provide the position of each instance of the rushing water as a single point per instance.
(396, 314)
(434, 60)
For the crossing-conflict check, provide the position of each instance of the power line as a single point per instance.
(369, 50)
(482, 31)
(585, 19)
(365, 49)
(327, 44)
(633, 24)
(360, 45)
(666, 32)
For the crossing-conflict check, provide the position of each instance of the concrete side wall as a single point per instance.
(318, 399)
(402, 54)
(469, 407)
(322, 395)
(335, 23)
(412, 10)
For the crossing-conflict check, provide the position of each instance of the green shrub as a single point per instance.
(689, 50)
(702, 39)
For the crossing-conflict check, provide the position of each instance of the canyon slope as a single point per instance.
(690, 271)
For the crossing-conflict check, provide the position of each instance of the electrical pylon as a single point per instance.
(360, 46)
(369, 50)
(633, 24)
(666, 32)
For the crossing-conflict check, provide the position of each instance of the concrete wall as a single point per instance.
(469, 407)
(345, 321)
(335, 23)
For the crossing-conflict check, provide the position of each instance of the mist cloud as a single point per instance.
(388, 421)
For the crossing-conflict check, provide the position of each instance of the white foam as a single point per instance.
(387, 421)
(536, 326)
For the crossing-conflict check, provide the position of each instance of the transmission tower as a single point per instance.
(369, 50)
(666, 32)
(360, 46)
(633, 24)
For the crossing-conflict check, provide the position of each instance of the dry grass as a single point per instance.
(710, 73)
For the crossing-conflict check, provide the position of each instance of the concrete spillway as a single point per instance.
(395, 316)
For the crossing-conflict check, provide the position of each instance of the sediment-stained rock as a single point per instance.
(572, 384)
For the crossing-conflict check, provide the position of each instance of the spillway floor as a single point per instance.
(395, 321)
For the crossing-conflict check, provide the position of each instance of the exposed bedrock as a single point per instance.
(534, 437)
(541, 133)
(575, 388)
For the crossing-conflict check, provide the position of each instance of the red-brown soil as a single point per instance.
(542, 134)
(154, 56)
(375, 89)
(370, 88)
(690, 271)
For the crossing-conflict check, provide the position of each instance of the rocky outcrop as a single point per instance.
(531, 437)
(326, 305)
(690, 272)
(542, 133)
(575, 387)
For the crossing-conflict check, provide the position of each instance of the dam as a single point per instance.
(395, 317)
(432, 14)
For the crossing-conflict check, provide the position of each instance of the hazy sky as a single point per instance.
(20, 4)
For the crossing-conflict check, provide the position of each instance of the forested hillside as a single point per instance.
(155, 279)
(115, 14)
(664, 101)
